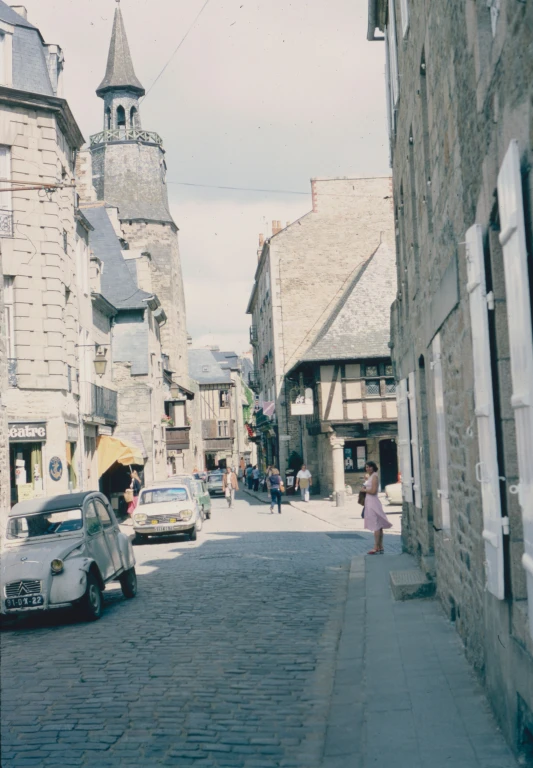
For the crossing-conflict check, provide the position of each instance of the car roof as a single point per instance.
(165, 484)
(53, 503)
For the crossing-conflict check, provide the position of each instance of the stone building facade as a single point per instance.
(38, 142)
(302, 273)
(460, 125)
(5, 482)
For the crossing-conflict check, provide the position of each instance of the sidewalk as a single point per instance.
(344, 518)
(404, 694)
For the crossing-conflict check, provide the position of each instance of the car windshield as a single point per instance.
(160, 495)
(45, 524)
(215, 477)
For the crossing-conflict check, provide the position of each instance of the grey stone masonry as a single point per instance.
(460, 102)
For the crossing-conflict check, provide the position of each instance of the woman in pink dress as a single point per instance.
(375, 518)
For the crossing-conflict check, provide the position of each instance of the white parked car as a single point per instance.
(167, 509)
(62, 551)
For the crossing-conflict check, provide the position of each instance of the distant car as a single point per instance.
(200, 476)
(165, 509)
(203, 498)
(214, 483)
(394, 494)
(62, 551)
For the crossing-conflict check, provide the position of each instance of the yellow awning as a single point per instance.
(111, 449)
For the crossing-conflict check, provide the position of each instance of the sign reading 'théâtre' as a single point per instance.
(29, 432)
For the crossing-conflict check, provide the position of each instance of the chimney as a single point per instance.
(21, 10)
(261, 240)
(276, 227)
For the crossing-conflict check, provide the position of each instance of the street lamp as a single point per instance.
(100, 361)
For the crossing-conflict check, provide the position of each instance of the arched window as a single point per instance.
(121, 117)
(133, 117)
(107, 126)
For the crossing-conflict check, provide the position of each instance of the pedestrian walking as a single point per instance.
(255, 477)
(249, 478)
(270, 470)
(230, 484)
(132, 493)
(303, 481)
(276, 489)
(375, 518)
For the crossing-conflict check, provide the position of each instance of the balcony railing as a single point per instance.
(125, 134)
(254, 380)
(103, 403)
(6, 223)
(12, 372)
(253, 335)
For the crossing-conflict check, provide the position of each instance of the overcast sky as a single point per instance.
(263, 94)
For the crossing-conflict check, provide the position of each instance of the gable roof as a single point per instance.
(359, 324)
(205, 368)
(118, 285)
(119, 71)
(10, 16)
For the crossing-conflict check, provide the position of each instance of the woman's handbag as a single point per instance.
(361, 498)
(282, 488)
(128, 495)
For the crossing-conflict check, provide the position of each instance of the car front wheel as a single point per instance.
(192, 534)
(91, 603)
(128, 583)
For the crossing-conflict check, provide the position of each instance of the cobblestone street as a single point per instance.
(225, 658)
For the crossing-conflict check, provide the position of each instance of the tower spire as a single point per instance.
(119, 72)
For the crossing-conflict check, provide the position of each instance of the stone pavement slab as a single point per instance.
(416, 702)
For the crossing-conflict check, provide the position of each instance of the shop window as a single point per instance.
(26, 469)
(71, 469)
(355, 456)
(223, 428)
(372, 388)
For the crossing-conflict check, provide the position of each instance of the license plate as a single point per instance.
(161, 528)
(29, 601)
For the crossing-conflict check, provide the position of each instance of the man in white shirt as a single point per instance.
(303, 481)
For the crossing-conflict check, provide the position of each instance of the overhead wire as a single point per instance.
(185, 36)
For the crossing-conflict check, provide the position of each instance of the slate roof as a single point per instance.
(227, 360)
(30, 68)
(359, 324)
(205, 368)
(118, 285)
(119, 71)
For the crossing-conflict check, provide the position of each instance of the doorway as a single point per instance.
(388, 462)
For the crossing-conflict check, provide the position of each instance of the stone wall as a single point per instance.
(4, 444)
(464, 94)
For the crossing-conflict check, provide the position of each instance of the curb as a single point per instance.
(344, 744)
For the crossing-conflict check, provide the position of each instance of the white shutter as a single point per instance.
(487, 470)
(513, 241)
(440, 412)
(415, 447)
(404, 6)
(404, 441)
(393, 54)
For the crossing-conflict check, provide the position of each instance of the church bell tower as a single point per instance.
(128, 172)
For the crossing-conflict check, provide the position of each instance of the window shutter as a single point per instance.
(404, 6)
(487, 470)
(404, 442)
(513, 241)
(415, 447)
(438, 386)
(393, 54)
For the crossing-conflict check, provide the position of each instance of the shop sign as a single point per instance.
(28, 432)
(55, 468)
(72, 433)
(105, 430)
